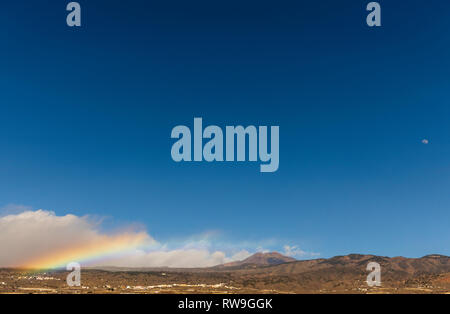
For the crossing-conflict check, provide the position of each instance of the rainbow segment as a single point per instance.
(101, 247)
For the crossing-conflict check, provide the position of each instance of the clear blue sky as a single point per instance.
(86, 116)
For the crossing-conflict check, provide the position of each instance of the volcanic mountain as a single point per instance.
(261, 259)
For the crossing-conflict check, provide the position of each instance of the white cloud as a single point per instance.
(296, 252)
(31, 236)
(239, 256)
(170, 258)
(41, 238)
(260, 249)
(35, 238)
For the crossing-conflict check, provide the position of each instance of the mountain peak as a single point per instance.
(262, 259)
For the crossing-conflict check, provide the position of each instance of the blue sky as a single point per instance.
(86, 116)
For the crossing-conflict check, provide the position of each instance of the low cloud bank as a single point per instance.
(44, 240)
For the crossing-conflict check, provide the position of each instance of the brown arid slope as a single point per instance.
(348, 273)
(396, 266)
(258, 274)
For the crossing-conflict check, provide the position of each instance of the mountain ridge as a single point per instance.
(261, 259)
(263, 262)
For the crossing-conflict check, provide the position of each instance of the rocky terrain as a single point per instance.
(260, 273)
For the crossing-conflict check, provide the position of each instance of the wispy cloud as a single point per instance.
(11, 209)
(296, 252)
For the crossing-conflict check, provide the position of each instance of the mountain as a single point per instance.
(259, 273)
(356, 263)
(341, 273)
(262, 259)
(349, 273)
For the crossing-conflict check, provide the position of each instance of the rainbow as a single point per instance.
(99, 248)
